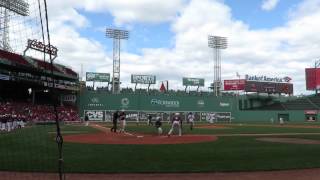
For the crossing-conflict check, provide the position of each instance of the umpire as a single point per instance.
(115, 121)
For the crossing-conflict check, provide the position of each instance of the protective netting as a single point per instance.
(15, 29)
(27, 130)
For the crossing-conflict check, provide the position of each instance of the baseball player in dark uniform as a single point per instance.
(115, 121)
(150, 123)
(86, 119)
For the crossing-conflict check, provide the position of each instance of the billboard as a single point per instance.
(235, 84)
(264, 78)
(97, 77)
(95, 115)
(143, 79)
(268, 87)
(312, 78)
(213, 117)
(193, 81)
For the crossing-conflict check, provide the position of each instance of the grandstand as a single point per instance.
(24, 88)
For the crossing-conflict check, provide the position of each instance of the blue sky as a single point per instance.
(250, 12)
(160, 35)
(276, 38)
(141, 35)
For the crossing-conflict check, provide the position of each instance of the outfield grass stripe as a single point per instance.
(271, 134)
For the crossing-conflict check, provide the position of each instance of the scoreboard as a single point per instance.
(268, 87)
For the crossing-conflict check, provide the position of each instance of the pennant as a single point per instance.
(162, 88)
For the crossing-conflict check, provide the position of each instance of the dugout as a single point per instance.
(311, 115)
(284, 116)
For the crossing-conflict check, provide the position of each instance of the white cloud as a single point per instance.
(137, 11)
(280, 51)
(269, 5)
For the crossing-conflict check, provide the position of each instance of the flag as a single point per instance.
(162, 88)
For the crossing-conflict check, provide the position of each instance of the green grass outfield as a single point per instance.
(34, 149)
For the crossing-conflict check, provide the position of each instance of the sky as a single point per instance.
(168, 39)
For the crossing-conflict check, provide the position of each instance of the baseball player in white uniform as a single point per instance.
(191, 120)
(176, 123)
(122, 121)
(2, 123)
(281, 121)
(158, 125)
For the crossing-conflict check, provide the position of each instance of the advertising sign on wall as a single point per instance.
(263, 78)
(143, 79)
(312, 78)
(234, 84)
(213, 117)
(193, 81)
(97, 77)
(95, 115)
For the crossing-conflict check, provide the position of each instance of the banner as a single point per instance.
(313, 78)
(193, 81)
(213, 117)
(95, 115)
(263, 78)
(97, 77)
(162, 88)
(234, 85)
(143, 79)
(4, 77)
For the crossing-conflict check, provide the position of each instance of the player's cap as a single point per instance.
(177, 114)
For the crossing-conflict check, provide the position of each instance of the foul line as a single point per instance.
(108, 129)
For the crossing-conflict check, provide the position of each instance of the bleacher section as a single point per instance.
(46, 66)
(14, 59)
(303, 103)
(299, 104)
(275, 106)
(315, 100)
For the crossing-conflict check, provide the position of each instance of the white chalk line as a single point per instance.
(126, 133)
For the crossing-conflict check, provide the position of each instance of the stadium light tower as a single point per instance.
(217, 43)
(116, 35)
(316, 65)
(19, 7)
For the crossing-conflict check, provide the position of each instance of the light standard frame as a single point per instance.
(19, 7)
(316, 65)
(117, 35)
(217, 43)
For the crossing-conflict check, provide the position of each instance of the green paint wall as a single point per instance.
(90, 100)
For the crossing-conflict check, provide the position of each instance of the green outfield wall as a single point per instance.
(103, 104)
(104, 101)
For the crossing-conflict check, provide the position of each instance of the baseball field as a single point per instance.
(229, 147)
